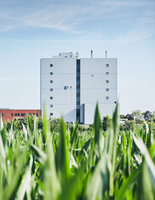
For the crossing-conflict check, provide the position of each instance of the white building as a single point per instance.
(71, 86)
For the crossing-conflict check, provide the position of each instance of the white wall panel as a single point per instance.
(98, 65)
(98, 95)
(64, 74)
(60, 65)
(104, 109)
(68, 112)
(98, 81)
(93, 86)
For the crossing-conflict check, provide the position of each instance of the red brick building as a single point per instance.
(11, 114)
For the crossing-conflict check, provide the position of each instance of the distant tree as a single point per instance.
(128, 125)
(147, 115)
(153, 115)
(137, 115)
(122, 116)
(129, 117)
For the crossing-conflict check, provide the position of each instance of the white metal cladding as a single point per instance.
(94, 84)
(105, 109)
(98, 83)
(63, 85)
(98, 95)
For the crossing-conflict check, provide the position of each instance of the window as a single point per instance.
(78, 74)
(78, 78)
(78, 70)
(51, 106)
(107, 81)
(17, 114)
(78, 90)
(22, 114)
(51, 114)
(51, 89)
(78, 82)
(51, 81)
(107, 65)
(70, 87)
(78, 114)
(107, 89)
(2, 114)
(107, 97)
(51, 65)
(11, 114)
(35, 114)
(78, 94)
(51, 97)
(77, 102)
(107, 73)
(51, 73)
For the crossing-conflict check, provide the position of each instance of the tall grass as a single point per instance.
(68, 165)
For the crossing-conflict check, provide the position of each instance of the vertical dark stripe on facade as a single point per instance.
(78, 90)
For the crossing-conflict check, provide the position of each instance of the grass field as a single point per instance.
(74, 164)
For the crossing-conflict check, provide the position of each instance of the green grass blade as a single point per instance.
(150, 165)
(127, 185)
(63, 154)
(25, 186)
(98, 138)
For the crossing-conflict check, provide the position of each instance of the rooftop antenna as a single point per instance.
(105, 54)
(77, 54)
(91, 53)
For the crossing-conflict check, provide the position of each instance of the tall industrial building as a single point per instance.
(71, 86)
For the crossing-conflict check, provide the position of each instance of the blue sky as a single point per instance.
(30, 30)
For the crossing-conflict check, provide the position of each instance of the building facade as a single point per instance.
(12, 114)
(71, 86)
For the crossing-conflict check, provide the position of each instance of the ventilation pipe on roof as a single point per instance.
(91, 53)
(105, 54)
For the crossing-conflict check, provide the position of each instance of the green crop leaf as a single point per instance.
(127, 185)
(150, 165)
(98, 138)
(38, 152)
(63, 154)
(15, 172)
(99, 181)
(145, 188)
(25, 186)
(113, 147)
(51, 182)
(74, 134)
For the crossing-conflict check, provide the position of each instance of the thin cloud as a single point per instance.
(4, 79)
(60, 16)
(72, 16)
(131, 3)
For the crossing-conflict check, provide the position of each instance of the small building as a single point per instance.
(12, 114)
(71, 86)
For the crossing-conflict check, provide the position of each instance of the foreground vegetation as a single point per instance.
(76, 163)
